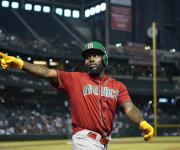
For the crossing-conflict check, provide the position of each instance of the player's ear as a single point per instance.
(84, 66)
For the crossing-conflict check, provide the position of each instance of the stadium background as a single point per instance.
(52, 33)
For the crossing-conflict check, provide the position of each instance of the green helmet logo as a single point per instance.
(94, 45)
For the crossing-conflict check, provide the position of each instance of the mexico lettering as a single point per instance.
(105, 91)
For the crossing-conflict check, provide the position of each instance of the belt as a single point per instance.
(102, 140)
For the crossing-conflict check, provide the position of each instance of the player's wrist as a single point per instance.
(142, 123)
(20, 63)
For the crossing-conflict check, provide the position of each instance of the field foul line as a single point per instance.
(137, 142)
(30, 145)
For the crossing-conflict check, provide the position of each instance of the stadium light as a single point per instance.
(29, 58)
(5, 3)
(28, 6)
(103, 6)
(118, 44)
(92, 10)
(37, 8)
(59, 11)
(147, 47)
(66, 61)
(53, 63)
(50, 60)
(163, 100)
(67, 12)
(39, 62)
(75, 13)
(46, 9)
(66, 103)
(173, 50)
(87, 13)
(97, 9)
(15, 5)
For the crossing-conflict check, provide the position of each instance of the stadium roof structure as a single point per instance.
(79, 3)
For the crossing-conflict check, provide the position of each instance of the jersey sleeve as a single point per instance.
(123, 94)
(65, 80)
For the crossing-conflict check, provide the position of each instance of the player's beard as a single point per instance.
(94, 71)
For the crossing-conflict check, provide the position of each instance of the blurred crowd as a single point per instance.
(33, 118)
(53, 45)
(139, 70)
(139, 62)
(135, 77)
(24, 80)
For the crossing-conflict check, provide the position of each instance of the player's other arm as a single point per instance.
(134, 114)
(37, 70)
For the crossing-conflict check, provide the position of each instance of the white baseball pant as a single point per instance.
(81, 141)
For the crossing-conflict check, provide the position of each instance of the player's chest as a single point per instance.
(99, 90)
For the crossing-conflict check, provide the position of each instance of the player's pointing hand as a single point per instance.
(10, 62)
(147, 129)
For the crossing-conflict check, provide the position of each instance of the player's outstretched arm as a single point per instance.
(40, 71)
(37, 70)
(133, 113)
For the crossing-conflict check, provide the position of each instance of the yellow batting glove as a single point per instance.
(10, 62)
(3, 64)
(147, 129)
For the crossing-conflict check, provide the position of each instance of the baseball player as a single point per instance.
(94, 97)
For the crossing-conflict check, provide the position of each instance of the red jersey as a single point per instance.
(93, 100)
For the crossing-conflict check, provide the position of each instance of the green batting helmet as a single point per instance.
(94, 45)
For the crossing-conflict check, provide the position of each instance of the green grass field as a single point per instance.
(158, 143)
